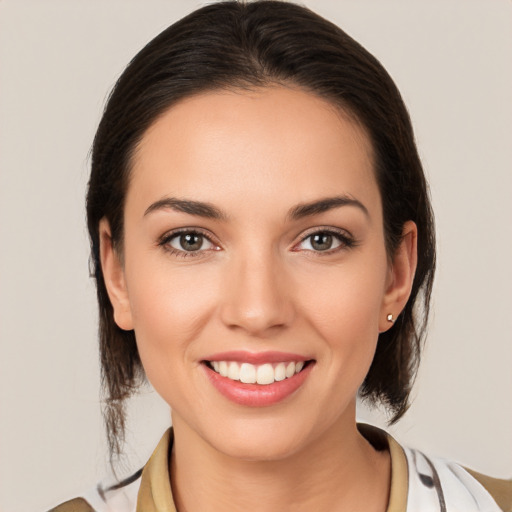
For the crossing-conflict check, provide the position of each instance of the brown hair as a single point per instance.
(236, 44)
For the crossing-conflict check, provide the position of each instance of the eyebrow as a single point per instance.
(300, 211)
(323, 205)
(187, 206)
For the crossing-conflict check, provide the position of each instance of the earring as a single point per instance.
(390, 318)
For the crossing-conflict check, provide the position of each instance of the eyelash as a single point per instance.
(166, 239)
(346, 240)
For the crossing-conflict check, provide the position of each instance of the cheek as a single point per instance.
(347, 296)
(162, 295)
(169, 310)
(344, 308)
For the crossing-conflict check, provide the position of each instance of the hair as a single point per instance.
(233, 45)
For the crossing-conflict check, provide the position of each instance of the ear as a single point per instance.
(113, 275)
(400, 277)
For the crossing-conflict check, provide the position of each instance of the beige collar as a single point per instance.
(155, 494)
(381, 440)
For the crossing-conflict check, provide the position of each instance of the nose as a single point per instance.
(257, 296)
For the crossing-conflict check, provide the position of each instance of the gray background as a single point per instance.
(451, 60)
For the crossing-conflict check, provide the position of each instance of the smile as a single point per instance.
(263, 374)
(257, 380)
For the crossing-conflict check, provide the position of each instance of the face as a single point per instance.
(254, 269)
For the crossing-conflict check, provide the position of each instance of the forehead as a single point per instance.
(253, 142)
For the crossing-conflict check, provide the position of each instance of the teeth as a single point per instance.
(265, 374)
(247, 373)
(233, 371)
(223, 368)
(280, 372)
(261, 374)
(290, 370)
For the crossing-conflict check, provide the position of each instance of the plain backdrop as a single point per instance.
(451, 60)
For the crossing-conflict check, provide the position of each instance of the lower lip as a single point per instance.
(257, 395)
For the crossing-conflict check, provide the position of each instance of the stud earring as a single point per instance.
(390, 318)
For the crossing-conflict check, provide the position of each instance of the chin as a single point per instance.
(258, 451)
(259, 441)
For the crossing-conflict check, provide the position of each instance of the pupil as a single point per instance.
(191, 242)
(321, 241)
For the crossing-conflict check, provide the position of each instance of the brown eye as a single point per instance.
(190, 242)
(325, 241)
(321, 241)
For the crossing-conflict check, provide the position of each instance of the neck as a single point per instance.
(339, 471)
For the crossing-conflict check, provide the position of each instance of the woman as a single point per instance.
(263, 247)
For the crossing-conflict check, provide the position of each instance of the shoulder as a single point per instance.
(453, 487)
(500, 489)
(123, 496)
(76, 505)
(120, 497)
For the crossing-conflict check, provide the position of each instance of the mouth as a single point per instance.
(262, 374)
(264, 381)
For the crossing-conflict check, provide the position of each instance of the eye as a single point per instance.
(190, 242)
(187, 243)
(325, 241)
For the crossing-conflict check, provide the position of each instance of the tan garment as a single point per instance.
(76, 505)
(499, 489)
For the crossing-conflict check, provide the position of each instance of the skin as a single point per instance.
(260, 285)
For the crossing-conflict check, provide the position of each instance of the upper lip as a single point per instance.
(242, 356)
